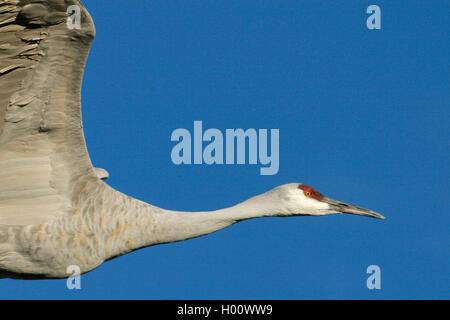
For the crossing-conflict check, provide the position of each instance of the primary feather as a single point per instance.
(43, 158)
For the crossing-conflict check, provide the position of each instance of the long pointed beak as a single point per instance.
(342, 207)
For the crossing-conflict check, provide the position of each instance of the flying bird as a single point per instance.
(56, 210)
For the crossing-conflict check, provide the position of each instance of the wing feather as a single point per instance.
(43, 158)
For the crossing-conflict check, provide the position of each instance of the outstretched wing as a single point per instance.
(43, 158)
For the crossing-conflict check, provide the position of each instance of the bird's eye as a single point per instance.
(310, 192)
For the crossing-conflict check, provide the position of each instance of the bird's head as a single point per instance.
(300, 199)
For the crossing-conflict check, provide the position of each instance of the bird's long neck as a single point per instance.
(174, 226)
(132, 224)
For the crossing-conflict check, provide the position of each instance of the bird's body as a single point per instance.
(104, 225)
(55, 210)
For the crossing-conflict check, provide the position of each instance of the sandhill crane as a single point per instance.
(55, 210)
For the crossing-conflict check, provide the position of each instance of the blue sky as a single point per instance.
(363, 117)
